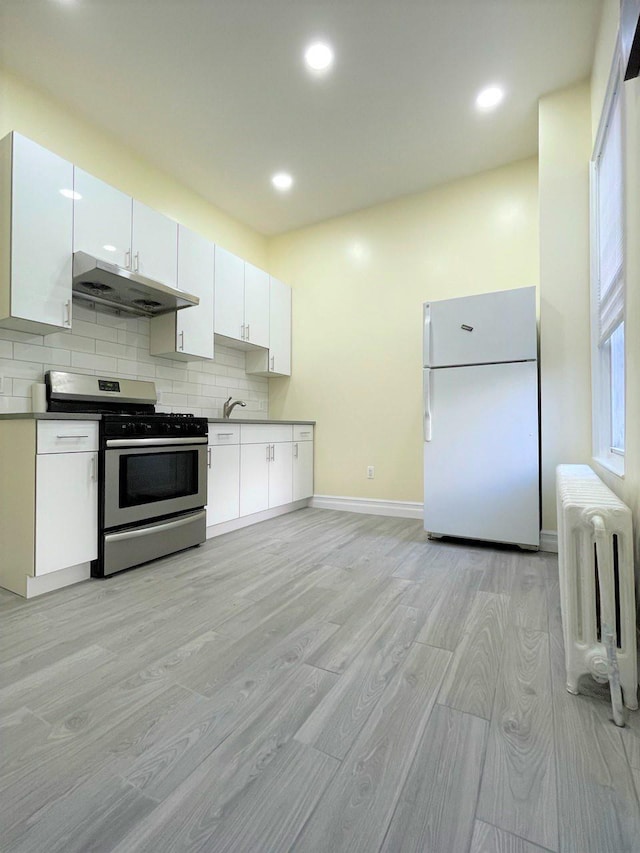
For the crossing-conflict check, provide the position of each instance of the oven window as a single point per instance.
(149, 477)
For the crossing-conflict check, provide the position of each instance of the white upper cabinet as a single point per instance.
(195, 275)
(242, 301)
(280, 329)
(112, 226)
(36, 233)
(256, 306)
(277, 360)
(188, 333)
(101, 220)
(229, 295)
(154, 245)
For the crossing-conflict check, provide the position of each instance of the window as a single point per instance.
(607, 287)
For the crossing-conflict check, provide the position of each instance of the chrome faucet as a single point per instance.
(229, 407)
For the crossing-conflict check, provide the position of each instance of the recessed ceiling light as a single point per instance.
(282, 181)
(489, 98)
(71, 194)
(110, 248)
(319, 56)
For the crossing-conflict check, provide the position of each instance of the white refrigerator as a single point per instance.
(480, 384)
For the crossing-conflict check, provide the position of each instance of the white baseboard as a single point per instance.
(254, 518)
(370, 506)
(549, 541)
(57, 580)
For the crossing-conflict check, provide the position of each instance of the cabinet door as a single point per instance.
(223, 500)
(281, 474)
(194, 326)
(101, 220)
(254, 478)
(229, 295)
(41, 235)
(66, 510)
(302, 470)
(256, 305)
(155, 245)
(280, 328)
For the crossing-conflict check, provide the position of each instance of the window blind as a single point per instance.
(610, 225)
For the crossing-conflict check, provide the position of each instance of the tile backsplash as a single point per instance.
(106, 343)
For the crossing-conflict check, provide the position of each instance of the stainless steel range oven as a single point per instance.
(152, 468)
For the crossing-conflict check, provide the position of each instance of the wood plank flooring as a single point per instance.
(317, 683)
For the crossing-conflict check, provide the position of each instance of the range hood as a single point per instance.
(117, 287)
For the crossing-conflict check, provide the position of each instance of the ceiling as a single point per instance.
(216, 93)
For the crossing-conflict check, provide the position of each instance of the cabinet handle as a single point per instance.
(67, 313)
(248, 332)
(273, 453)
(92, 469)
(127, 259)
(268, 452)
(136, 262)
(223, 434)
(242, 332)
(182, 341)
(71, 435)
(273, 362)
(208, 457)
(308, 432)
(295, 447)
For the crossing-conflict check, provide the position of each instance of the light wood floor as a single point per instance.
(320, 682)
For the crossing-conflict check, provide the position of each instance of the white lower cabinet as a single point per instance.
(266, 474)
(223, 501)
(281, 474)
(66, 510)
(66, 499)
(302, 470)
(256, 467)
(254, 478)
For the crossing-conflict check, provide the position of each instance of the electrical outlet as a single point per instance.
(370, 472)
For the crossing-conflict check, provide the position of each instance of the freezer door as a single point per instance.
(485, 329)
(481, 477)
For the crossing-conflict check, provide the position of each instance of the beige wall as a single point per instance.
(51, 124)
(628, 488)
(564, 152)
(359, 283)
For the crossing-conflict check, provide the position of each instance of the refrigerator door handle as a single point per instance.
(426, 391)
(426, 339)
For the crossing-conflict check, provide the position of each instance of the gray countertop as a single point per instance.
(81, 416)
(49, 416)
(255, 421)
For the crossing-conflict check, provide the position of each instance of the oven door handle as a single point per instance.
(154, 442)
(151, 528)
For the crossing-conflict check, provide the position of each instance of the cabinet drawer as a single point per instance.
(302, 432)
(267, 433)
(224, 434)
(67, 436)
